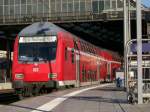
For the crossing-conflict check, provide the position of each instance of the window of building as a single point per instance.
(23, 1)
(76, 5)
(17, 9)
(82, 6)
(107, 4)
(113, 4)
(17, 2)
(34, 6)
(64, 6)
(46, 6)
(101, 5)
(1, 10)
(95, 6)
(6, 2)
(6, 8)
(120, 4)
(53, 5)
(70, 6)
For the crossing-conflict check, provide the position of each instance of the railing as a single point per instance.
(67, 17)
(132, 69)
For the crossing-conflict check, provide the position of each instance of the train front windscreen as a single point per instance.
(37, 49)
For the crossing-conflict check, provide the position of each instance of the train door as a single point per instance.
(77, 70)
(109, 71)
(98, 71)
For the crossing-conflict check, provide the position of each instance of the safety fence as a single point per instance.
(132, 69)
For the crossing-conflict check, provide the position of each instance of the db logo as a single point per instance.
(35, 70)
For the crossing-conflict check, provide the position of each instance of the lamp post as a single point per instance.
(139, 50)
(125, 39)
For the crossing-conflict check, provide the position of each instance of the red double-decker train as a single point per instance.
(46, 56)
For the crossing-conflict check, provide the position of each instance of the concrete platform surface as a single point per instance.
(105, 98)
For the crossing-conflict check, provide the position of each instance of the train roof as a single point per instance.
(48, 28)
(40, 28)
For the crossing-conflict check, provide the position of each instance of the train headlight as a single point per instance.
(19, 76)
(52, 75)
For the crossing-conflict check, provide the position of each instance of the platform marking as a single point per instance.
(52, 104)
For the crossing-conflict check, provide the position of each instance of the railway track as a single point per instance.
(7, 98)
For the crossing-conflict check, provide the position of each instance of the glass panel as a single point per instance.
(82, 6)
(101, 5)
(107, 4)
(23, 1)
(58, 5)
(11, 10)
(1, 10)
(17, 2)
(46, 6)
(17, 9)
(76, 6)
(70, 7)
(6, 2)
(11, 2)
(114, 4)
(29, 9)
(88, 5)
(40, 7)
(6, 10)
(23, 9)
(29, 2)
(52, 6)
(95, 6)
(34, 6)
(64, 6)
(1, 2)
(120, 3)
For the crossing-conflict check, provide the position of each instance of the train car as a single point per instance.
(46, 56)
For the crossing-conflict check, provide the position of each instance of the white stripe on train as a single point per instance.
(91, 55)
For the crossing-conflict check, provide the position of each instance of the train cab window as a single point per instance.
(66, 53)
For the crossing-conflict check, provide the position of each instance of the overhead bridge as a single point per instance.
(61, 17)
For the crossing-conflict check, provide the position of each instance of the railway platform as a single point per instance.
(102, 98)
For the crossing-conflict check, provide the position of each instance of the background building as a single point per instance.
(33, 10)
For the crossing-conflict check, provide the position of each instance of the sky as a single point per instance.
(146, 3)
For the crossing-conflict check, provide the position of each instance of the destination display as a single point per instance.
(37, 39)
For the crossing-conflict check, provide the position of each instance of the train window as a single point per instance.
(88, 75)
(66, 53)
(83, 73)
(72, 55)
(75, 44)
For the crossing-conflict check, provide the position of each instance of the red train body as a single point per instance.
(47, 56)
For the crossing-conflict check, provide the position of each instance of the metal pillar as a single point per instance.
(125, 38)
(139, 50)
(129, 21)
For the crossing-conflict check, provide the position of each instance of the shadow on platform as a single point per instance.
(99, 99)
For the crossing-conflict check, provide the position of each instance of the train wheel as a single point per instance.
(35, 91)
(19, 93)
(20, 96)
